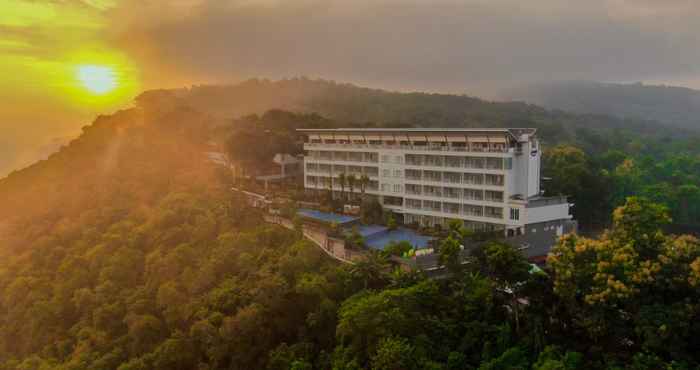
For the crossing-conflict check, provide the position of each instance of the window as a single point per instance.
(413, 203)
(386, 173)
(472, 210)
(473, 178)
(493, 212)
(431, 205)
(453, 177)
(514, 214)
(473, 194)
(508, 163)
(413, 189)
(450, 207)
(432, 176)
(494, 180)
(397, 188)
(398, 159)
(494, 196)
(413, 174)
(433, 191)
(385, 158)
(397, 173)
(385, 188)
(494, 163)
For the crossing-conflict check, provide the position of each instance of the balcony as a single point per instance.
(432, 148)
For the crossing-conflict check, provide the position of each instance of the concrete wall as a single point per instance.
(546, 213)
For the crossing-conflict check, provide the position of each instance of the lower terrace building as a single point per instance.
(488, 178)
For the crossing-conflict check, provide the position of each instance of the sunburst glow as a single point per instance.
(97, 79)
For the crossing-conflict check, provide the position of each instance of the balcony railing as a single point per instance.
(410, 147)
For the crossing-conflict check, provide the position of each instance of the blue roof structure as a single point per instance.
(378, 237)
(326, 216)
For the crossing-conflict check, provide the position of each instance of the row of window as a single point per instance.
(393, 188)
(455, 177)
(416, 159)
(455, 193)
(338, 169)
(455, 208)
(444, 221)
(324, 182)
(325, 155)
(418, 145)
(459, 162)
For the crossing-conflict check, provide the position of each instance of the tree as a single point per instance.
(566, 165)
(370, 270)
(634, 282)
(364, 181)
(342, 180)
(391, 221)
(397, 248)
(510, 270)
(371, 212)
(571, 173)
(451, 255)
(355, 239)
(352, 180)
(394, 354)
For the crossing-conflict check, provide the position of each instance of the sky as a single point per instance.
(64, 61)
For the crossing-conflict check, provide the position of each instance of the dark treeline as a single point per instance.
(126, 251)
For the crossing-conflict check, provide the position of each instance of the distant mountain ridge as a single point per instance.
(350, 104)
(675, 106)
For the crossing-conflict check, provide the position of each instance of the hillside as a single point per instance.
(674, 106)
(126, 250)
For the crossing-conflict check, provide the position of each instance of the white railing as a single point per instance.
(407, 147)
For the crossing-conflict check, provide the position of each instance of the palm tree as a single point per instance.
(364, 181)
(352, 180)
(330, 184)
(371, 270)
(342, 179)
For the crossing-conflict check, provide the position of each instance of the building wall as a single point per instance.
(433, 185)
(546, 213)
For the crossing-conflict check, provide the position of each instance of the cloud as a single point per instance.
(473, 46)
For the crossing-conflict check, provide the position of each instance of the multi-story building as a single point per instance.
(489, 178)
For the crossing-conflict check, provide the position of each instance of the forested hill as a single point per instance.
(674, 106)
(126, 250)
(348, 103)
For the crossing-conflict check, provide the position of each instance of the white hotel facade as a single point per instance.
(489, 178)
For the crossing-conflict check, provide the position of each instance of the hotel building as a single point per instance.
(488, 178)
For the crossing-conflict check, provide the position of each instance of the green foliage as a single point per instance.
(450, 254)
(355, 239)
(397, 248)
(504, 264)
(371, 212)
(512, 359)
(391, 221)
(551, 358)
(394, 354)
(127, 251)
(634, 282)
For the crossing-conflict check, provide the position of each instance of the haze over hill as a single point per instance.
(676, 106)
(348, 103)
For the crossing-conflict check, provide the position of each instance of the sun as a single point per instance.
(97, 79)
